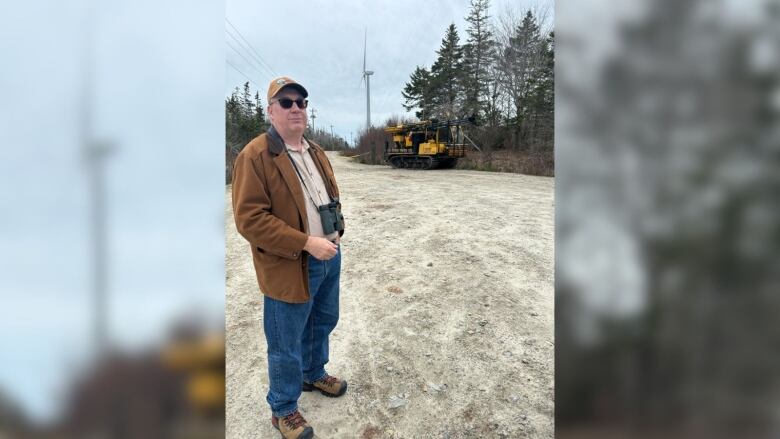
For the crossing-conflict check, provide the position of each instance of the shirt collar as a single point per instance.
(305, 146)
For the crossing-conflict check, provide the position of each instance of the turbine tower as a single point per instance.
(367, 77)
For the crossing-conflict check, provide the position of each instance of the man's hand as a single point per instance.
(320, 248)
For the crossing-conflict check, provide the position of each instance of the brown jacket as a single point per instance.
(269, 210)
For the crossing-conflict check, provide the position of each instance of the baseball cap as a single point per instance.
(281, 82)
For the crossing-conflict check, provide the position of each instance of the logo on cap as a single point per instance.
(281, 81)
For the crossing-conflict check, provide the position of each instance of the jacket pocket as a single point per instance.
(268, 254)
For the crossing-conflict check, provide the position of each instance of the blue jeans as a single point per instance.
(297, 335)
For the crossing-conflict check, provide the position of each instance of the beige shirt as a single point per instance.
(313, 187)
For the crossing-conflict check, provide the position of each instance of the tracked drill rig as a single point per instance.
(429, 144)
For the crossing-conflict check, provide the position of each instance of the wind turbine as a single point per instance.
(367, 77)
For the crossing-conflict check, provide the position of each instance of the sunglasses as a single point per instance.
(287, 103)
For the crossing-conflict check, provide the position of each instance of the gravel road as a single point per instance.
(446, 327)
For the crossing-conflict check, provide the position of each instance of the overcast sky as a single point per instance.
(320, 44)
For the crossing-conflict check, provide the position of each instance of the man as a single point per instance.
(285, 203)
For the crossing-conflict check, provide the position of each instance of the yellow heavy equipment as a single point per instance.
(202, 360)
(429, 144)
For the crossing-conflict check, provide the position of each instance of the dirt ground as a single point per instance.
(446, 324)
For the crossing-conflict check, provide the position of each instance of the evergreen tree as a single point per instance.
(445, 75)
(541, 96)
(260, 115)
(478, 55)
(417, 93)
(244, 120)
(246, 100)
(523, 57)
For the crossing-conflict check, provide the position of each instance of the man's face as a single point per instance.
(288, 121)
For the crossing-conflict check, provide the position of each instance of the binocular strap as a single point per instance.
(303, 181)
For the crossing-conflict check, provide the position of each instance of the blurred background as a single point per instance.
(667, 232)
(112, 279)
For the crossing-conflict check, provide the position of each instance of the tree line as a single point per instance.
(503, 74)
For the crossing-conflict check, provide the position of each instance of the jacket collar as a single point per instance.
(275, 142)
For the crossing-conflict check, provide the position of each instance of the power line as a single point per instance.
(250, 46)
(254, 58)
(245, 75)
(245, 59)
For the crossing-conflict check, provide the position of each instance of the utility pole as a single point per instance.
(313, 116)
(331, 131)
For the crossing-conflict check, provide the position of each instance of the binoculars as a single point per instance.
(331, 217)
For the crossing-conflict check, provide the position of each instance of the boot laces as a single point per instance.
(329, 380)
(294, 420)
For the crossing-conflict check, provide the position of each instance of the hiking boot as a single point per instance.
(328, 386)
(293, 426)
